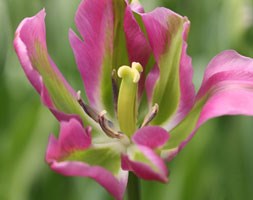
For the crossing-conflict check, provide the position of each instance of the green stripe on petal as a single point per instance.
(181, 132)
(115, 57)
(226, 90)
(165, 30)
(120, 54)
(62, 99)
(106, 86)
(167, 88)
(103, 157)
(101, 49)
(145, 163)
(138, 156)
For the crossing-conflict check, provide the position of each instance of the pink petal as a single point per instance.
(155, 170)
(106, 44)
(114, 186)
(31, 32)
(228, 61)
(151, 79)
(137, 7)
(151, 136)
(94, 20)
(227, 89)
(73, 136)
(138, 46)
(228, 80)
(161, 24)
(53, 151)
(65, 157)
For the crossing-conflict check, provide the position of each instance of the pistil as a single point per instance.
(127, 111)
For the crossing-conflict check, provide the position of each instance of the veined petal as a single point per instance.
(227, 89)
(145, 163)
(171, 88)
(56, 94)
(74, 155)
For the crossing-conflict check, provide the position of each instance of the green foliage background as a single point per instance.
(217, 164)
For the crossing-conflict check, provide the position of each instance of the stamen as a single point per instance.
(151, 115)
(115, 89)
(106, 126)
(92, 113)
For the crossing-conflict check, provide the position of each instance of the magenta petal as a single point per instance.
(94, 20)
(151, 136)
(228, 80)
(67, 156)
(227, 89)
(21, 46)
(228, 65)
(151, 168)
(158, 30)
(137, 7)
(29, 31)
(138, 46)
(104, 43)
(73, 136)
(88, 69)
(29, 37)
(161, 25)
(150, 82)
(186, 85)
(102, 176)
(53, 151)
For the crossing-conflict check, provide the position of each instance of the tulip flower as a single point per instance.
(141, 107)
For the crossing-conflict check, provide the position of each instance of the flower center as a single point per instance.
(126, 104)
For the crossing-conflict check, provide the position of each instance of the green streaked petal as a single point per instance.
(167, 88)
(62, 98)
(188, 124)
(166, 31)
(31, 48)
(103, 157)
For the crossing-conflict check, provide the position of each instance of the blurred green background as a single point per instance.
(217, 164)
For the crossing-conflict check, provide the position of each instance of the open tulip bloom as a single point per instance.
(141, 107)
